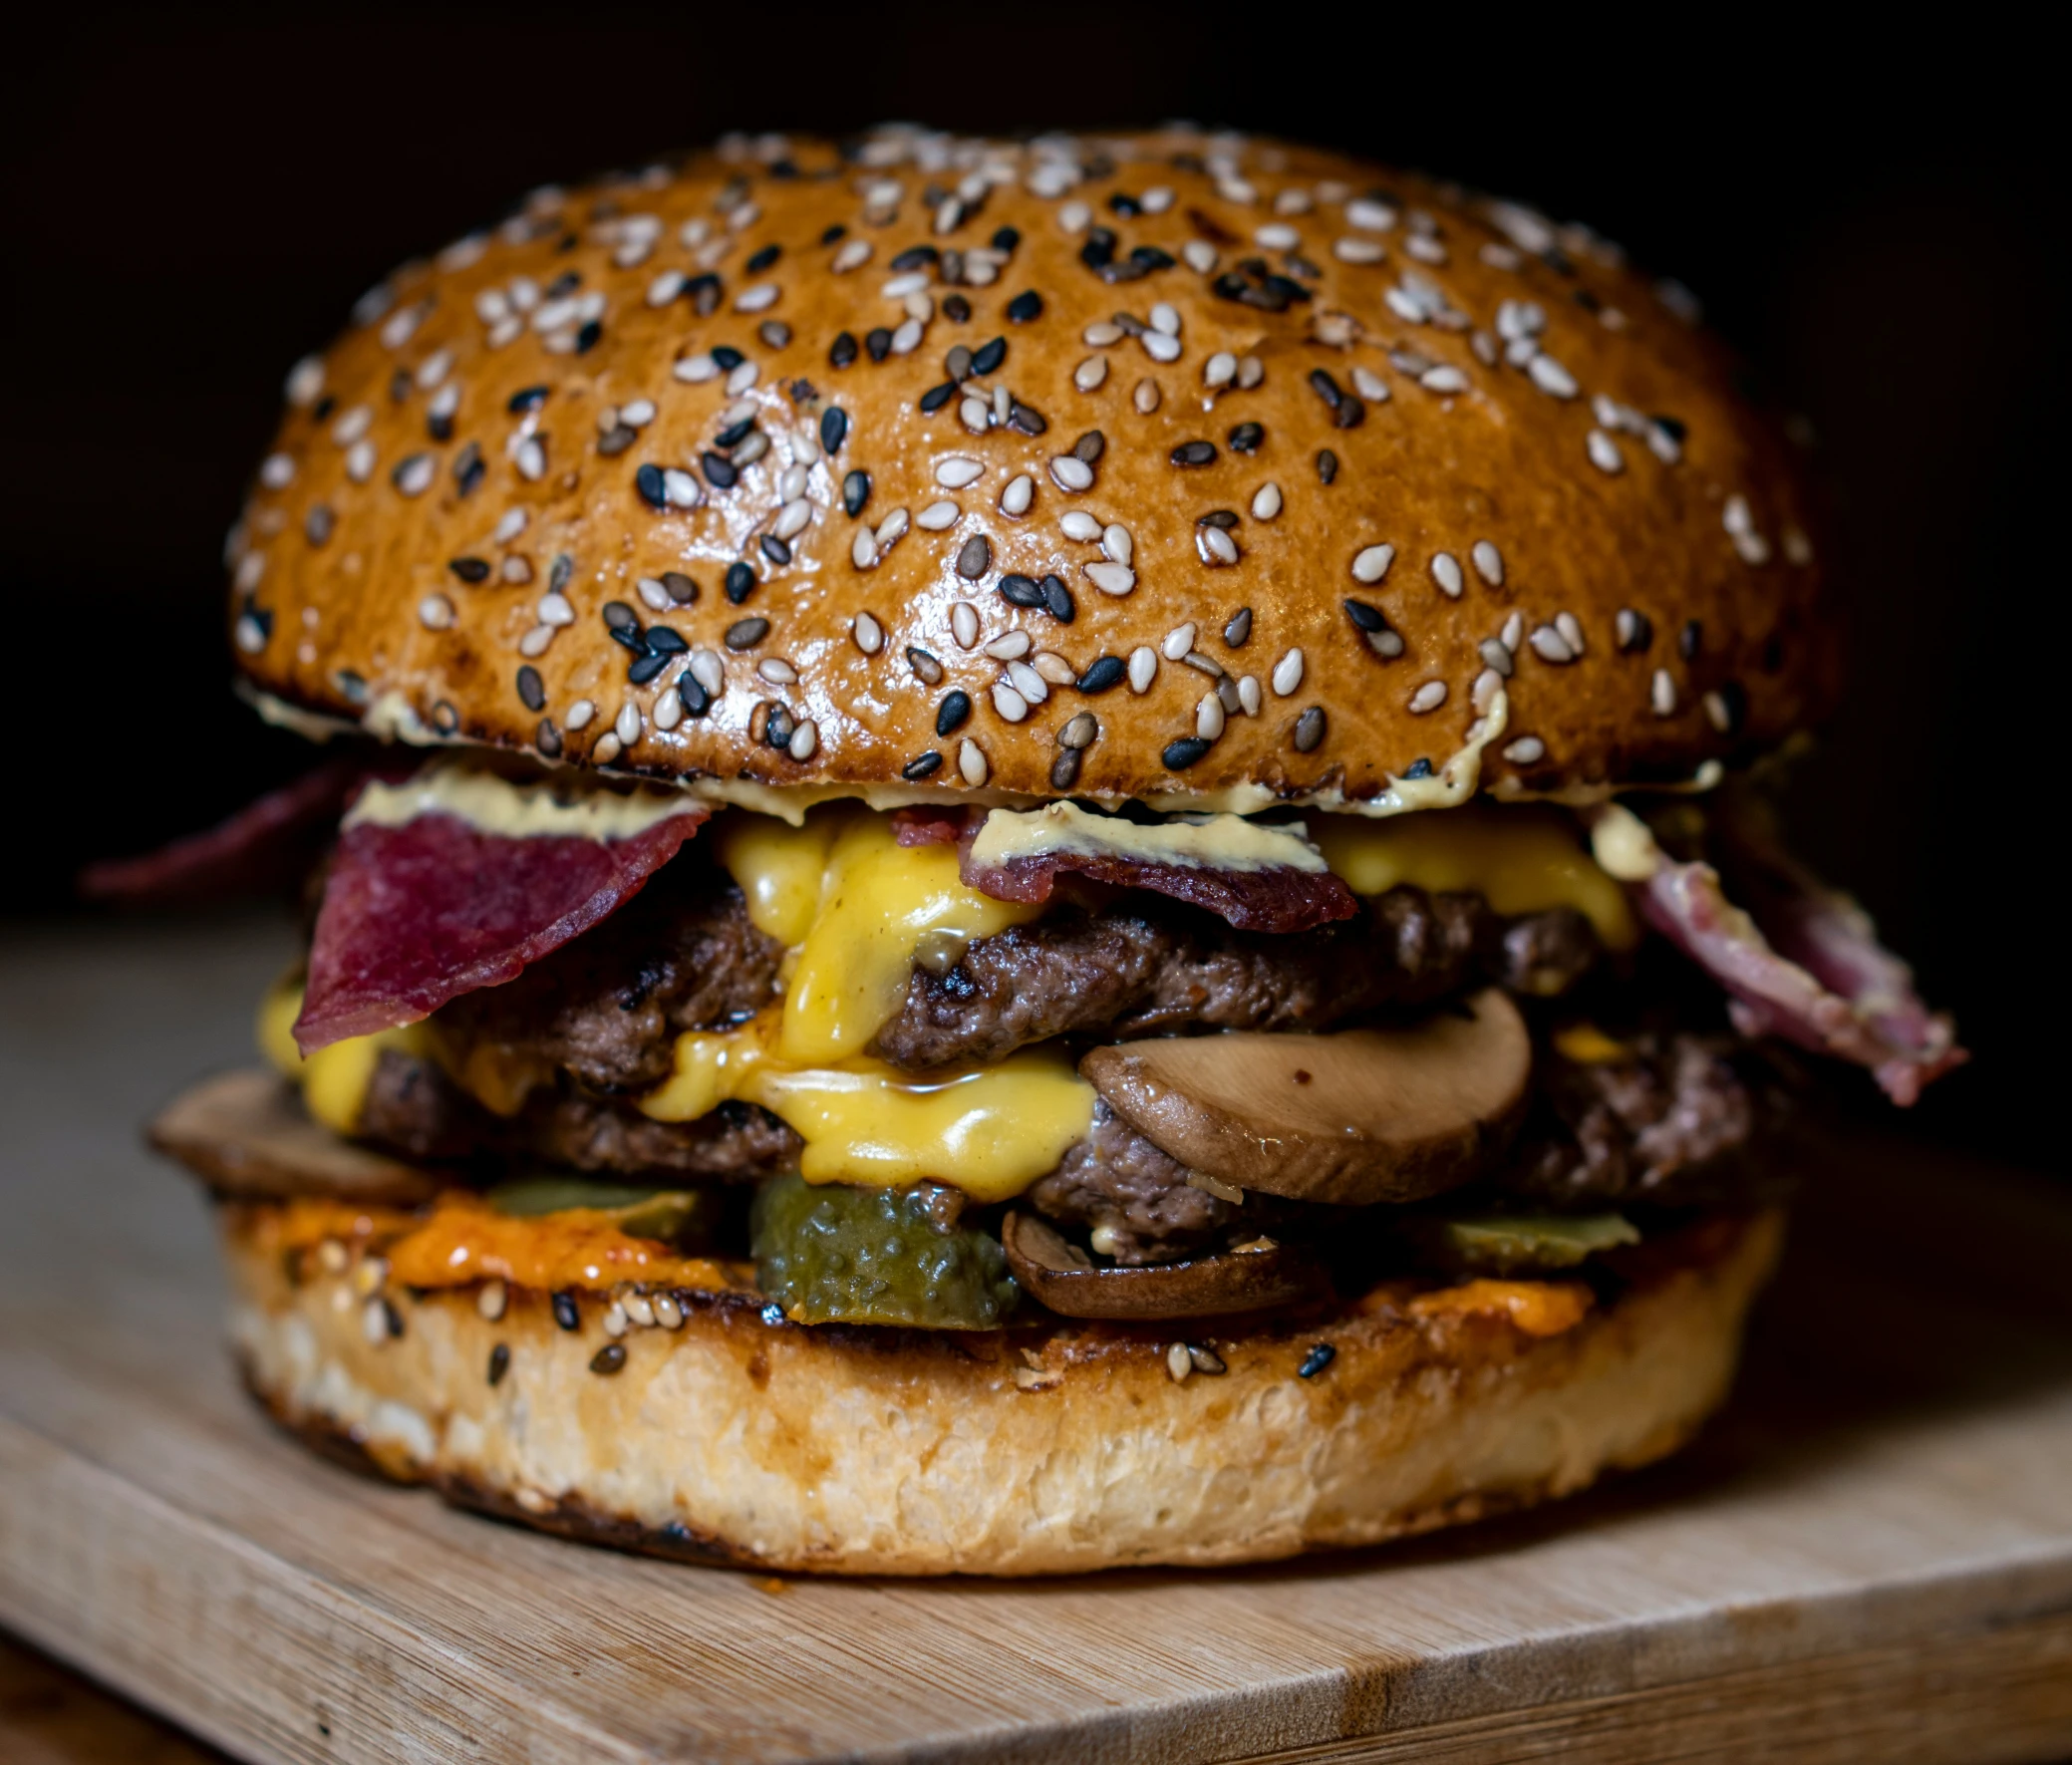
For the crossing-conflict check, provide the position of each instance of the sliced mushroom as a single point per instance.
(1364, 1116)
(244, 1135)
(1248, 1279)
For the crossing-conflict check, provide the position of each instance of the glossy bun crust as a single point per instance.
(1054, 1449)
(475, 481)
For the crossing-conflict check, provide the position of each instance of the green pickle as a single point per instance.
(684, 1217)
(831, 1253)
(1521, 1244)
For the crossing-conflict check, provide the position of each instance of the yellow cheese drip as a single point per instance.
(334, 1079)
(1521, 860)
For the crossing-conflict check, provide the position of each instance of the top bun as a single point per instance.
(1364, 448)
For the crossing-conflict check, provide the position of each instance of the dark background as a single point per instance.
(195, 195)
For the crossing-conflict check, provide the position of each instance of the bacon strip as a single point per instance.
(419, 914)
(1812, 970)
(268, 841)
(1278, 899)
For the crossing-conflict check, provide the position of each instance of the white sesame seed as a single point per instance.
(863, 550)
(1443, 380)
(1278, 237)
(868, 633)
(1717, 713)
(580, 714)
(971, 763)
(1250, 371)
(1216, 547)
(509, 525)
(626, 726)
(1018, 495)
(891, 528)
(1235, 189)
(1091, 372)
(1372, 563)
(1052, 667)
(957, 471)
(1604, 452)
(555, 609)
(668, 707)
(1356, 251)
(1180, 640)
(805, 739)
(1160, 348)
(1288, 674)
(1117, 544)
(1220, 370)
(1111, 578)
(1487, 685)
(907, 338)
(854, 254)
(1369, 384)
(695, 368)
(1662, 693)
(359, 462)
(680, 489)
(964, 624)
(1073, 217)
(1373, 217)
(607, 749)
(1157, 199)
(938, 516)
(1100, 334)
(1798, 549)
(638, 411)
(1010, 646)
(531, 458)
(1266, 502)
(1077, 523)
(305, 382)
(1165, 318)
(900, 286)
(1208, 717)
(1551, 377)
(613, 1319)
(1428, 697)
(739, 378)
(652, 592)
(1143, 668)
(1513, 633)
(1200, 256)
(436, 612)
(277, 471)
(1571, 630)
(1027, 682)
(707, 670)
(1526, 751)
(792, 482)
(1446, 573)
(1489, 562)
(1070, 472)
(777, 671)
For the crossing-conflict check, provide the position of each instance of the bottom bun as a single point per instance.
(737, 1438)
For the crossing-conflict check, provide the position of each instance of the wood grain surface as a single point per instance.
(1869, 1557)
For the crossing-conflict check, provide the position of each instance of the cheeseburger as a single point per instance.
(1034, 855)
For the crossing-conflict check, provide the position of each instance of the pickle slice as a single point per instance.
(1520, 1244)
(832, 1253)
(684, 1217)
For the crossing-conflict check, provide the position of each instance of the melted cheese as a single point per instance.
(334, 1079)
(1521, 860)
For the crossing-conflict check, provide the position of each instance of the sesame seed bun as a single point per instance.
(1311, 476)
(1058, 1448)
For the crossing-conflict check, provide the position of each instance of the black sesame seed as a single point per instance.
(1105, 671)
(832, 233)
(1126, 204)
(527, 399)
(922, 765)
(1021, 591)
(648, 481)
(609, 1359)
(548, 738)
(914, 256)
(1146, 258)
(734, 433)
(1193, 453)
(1181, 754)
(777, 725)
(499, 1362)
(445, 717)
(927, 669)
(643, 670)
(1058, 599)
(1636, 633)
(1319, 1358)
(1028, 421)
(1006, 239)
(779, 551)
(1238, 629)
(564, 284)
(467, 469)
(586, 338)
(681, 588)
(727, 357)
(988, 357)
(741, 578)
(855, 492)
(1065, 770)
(1226, 519)
(956, 308)
(937, 397)
(616, 439)
(438, 425)
(1327, 466)
(1099, 249)
(1285, 287)
(1302, 266)
(1420, 768)
(1246, 438)
(720, 471)
(1349, 412)
(974, 557)
(952, 713)
(532, 694)
(620, 619)
(1325, 388)
(834, 427)
(745, 634)
(1733, 705)
(702, 292)
(693, 696)
(843, 350)
(878, 343)
(562, 569)
(662, 641)
(1672, 427)
(1309, 729)
(1689, 639)
(1366, 616)
(1027, 305)
(764, 259)
(469, 569)
(958, 363)
(323, 408)
(1088, 448)
(565, 1313)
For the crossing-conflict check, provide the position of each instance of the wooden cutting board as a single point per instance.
(1868, 1558)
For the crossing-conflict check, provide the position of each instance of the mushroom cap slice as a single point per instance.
(1366, 1115)
(1062, 1277)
